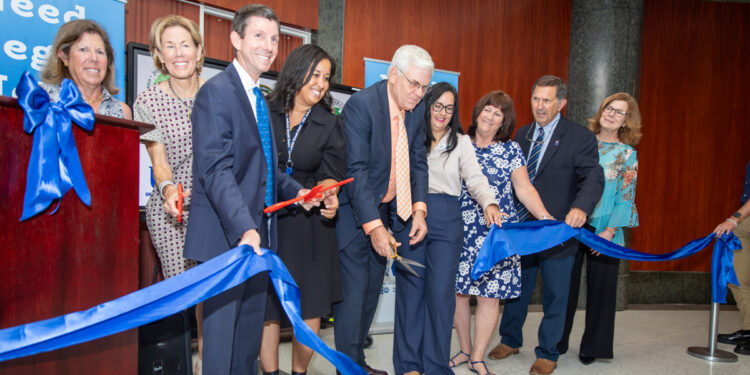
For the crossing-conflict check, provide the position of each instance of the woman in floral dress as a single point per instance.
(504, 164)
(617, 126)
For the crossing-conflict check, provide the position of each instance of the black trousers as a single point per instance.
(601, 297)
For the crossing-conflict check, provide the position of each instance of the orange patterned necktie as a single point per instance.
(403, 184)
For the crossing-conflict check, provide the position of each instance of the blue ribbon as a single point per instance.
(54, 166)
(166, 298)
(535, 236)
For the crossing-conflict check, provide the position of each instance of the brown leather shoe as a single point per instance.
(374, 371)
(542, 367)
(502, 351)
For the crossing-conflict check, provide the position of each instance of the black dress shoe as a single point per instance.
(742, 349)
(368, 342)
(585, 359)
(374, 371)
(739, 337)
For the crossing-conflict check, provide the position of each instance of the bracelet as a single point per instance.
(545, 217)
(609, 229)
(733, 220)
(164, 184)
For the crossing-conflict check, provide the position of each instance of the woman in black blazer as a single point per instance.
(311, 149)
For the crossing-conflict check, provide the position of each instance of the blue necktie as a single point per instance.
(264, 127)
(531, 165)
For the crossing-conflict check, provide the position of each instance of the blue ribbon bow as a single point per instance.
(166, 298)
(535, 236)
(54, 166)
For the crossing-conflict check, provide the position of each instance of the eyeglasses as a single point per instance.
(437, 107)
(414, 84)
(529, 134)
(617, 112)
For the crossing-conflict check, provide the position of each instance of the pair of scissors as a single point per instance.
(406, 262)
(315, 192)
(179, 202)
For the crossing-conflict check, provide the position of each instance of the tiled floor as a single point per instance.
(646, 342)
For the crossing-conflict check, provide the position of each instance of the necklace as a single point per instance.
(184, 102)
(92, 102)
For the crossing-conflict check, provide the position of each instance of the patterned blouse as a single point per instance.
(617, 209)
(109, 105)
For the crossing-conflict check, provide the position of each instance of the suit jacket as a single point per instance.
(569, 174)
(368, 158)
(229, 170)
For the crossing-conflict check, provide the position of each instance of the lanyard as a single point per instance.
(291, 141)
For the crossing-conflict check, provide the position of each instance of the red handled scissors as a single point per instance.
(179, 202)
(314, 192)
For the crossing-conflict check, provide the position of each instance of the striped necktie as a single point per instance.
(531, 164)
(403, 183)
(264, 127)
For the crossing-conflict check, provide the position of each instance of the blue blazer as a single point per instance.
(569, 174)
(229, 170)
(368, 158)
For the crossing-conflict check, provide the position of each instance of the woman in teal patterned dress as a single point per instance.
(617, 126)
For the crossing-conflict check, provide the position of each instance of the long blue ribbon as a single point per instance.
(166, 298)
(54, 166)
(535, 236)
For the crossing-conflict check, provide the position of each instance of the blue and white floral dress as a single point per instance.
(503, 281)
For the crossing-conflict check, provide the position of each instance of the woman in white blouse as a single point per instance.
(451, 160)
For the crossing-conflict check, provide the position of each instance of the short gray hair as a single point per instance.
(409, 54)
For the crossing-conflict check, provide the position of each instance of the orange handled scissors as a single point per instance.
(406, 262)
(318, 189)
(179, 202)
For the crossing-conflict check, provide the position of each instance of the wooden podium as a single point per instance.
(78, 257)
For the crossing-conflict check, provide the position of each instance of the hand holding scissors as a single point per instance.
(174, 198)
(315, 192)
(405, 262)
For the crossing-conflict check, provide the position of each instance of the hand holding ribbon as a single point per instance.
(535, 236)
(166, 298)
(54, 166)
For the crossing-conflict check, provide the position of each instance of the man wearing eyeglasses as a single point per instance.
(386, 156)
(563, 164)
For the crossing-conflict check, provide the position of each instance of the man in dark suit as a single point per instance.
(563, 164)
(234, 177)
(379, 199)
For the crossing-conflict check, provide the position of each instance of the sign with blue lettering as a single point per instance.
(377, 70)
(29, 27)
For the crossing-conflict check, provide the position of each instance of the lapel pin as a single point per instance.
(557, 142)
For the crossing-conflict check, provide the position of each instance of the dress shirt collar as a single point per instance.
(393, 108)
(549, 129)
(247, 82)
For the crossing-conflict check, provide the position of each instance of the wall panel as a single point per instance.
(503, 45)
(694, 79)
(139, 15)
(300, 13)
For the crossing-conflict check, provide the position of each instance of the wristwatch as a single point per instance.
(737, 214)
